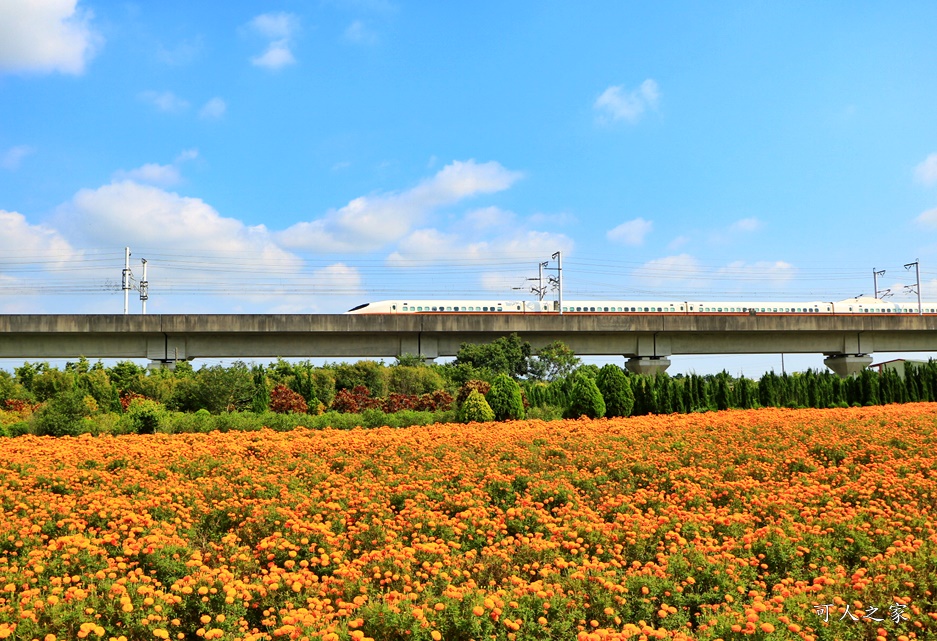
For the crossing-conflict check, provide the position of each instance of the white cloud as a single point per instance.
(156, 174)
(277, 56)
(213, 109)
(165, 101)
(370, 222)
(776, 272)
(488, 217)
(44, 36)
(926, 172)
(746, 225)
(17, 236)
(339, 278)
(358, 33)
(151, 174)
(617, 104)
(928, 219)
(668, 270)
(128, 213)
(13, 157)
(280, 29)
(631, 232)
(433, 245)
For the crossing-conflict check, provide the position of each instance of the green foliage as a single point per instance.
(62, 415)
(410, 360)
(260, 400)
(27, 372)
(616, 391)
(370, 374)
(506, 355)
(413, 379)
(553, 361)
(10, 388)
(504, 398)
(143, 416)
(51, 382)
(216, 389)
(586, 399)
(475, 409)
(96, 383)
(124, 374)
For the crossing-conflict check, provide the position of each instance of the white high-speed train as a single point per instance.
(859, 305)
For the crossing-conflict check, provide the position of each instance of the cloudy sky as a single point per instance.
(308, 156)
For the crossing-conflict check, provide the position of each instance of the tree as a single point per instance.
(62, 415)
(505, 398)
(586, 399)
(260, 399)
(370, 374)
(475, 409)
(553, 361)
(506, 355)
(616, 391)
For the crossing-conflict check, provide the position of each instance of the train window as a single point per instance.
(606, 309)
(579, 309)
(592, 309)
(518, 308)
(448, 308)
(500, 310)
(406, 309)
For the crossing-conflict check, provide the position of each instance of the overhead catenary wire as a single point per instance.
(92, 272)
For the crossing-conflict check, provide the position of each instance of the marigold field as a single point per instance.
(734, 525)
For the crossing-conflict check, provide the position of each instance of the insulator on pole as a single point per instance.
(144, 287)
(125, 280)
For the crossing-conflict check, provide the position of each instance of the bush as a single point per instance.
(505, 398)
(62, 415)
(475, 409)
(545, 413)
(143, 416)
(283, 400)
(482, 387)
(18, 429)
(586, 399)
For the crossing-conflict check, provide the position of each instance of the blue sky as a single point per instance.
(308, 156)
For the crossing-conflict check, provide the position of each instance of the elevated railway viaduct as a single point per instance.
(647, 341)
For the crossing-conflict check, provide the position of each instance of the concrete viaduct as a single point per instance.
(647, 341)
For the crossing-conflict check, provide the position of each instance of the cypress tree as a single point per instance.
(616, 391)
(475, 409)
(505, 398)
(586, 399)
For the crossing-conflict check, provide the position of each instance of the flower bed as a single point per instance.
(734, 525)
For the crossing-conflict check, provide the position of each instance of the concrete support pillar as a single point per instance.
(649, 365)
(846, 365)
(161, 364)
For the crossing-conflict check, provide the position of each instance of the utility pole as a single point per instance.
(539, 290)
(558, 281)
(875, 292)
(917, 287)
(144, 287)
(126, 277)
